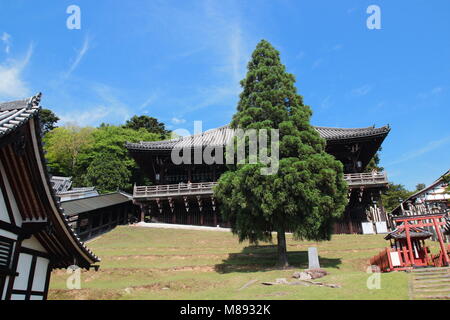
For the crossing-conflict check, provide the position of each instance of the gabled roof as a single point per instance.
(414, 232)
(221, 136)
(76, 206)
(16, 113)
(61, 184)
(424, 191)
(58, 237)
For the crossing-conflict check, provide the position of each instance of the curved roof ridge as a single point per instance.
(221, 136)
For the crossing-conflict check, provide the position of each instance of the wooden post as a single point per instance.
(441, 242)
(408, 241)
(142, 213)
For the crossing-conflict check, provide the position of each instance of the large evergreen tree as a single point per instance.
(150, 124)
(308, 192)
(48, 120)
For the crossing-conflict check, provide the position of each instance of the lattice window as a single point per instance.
(6, 249)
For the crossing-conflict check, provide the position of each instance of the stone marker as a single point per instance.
(313, 258)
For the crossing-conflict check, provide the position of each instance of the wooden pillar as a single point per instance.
(408, 242)
(142, 218)
(213, 204)
(441, 242)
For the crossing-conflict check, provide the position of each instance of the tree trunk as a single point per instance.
(282, 254)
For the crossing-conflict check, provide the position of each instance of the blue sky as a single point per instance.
(181, 61)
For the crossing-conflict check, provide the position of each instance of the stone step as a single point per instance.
(430, 269)
(431, 276)
(431, 272)
(445, 289)
(431, 281)
(434, 297)
(434, 285)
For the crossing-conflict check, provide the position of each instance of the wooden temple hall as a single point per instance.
(183, 194)
(35, 236)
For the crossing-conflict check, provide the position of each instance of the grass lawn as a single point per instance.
(147, 263)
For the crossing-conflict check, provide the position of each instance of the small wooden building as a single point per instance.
(64, 190)
(92, 216)
(431, 200)
(35, 236)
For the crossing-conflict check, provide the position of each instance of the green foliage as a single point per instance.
(63, 146)
(90, 155)
(373, 164)
(150, 124)
(109, 141)
(308, 192)
(48, 120)
(420, 186)
(393, 195)
(108, 173)
(446, 179)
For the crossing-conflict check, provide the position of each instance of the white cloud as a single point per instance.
(430, 93)
(5, 38)
(317, 63)
(219, 28)
(326, 103)
(12, 86)
(432, 145)
(106, 107)
(78, 58)
(175, 120)
(337, 47)
(152, 98)
(89, 117)
(361, 91)
(300, 55)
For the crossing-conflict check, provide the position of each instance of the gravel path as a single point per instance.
(179, 226)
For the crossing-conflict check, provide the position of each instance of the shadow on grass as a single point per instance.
(264, 258)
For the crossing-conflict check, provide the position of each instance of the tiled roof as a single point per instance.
(422, 192)
(221, 136)
(77, 206)
(330, 133)
(61, 184)
(414, 232)
(15, 113)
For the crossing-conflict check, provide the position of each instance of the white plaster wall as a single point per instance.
(3, 294)
(40, 274)
(3, 210)
(8, 234)
(33, 243)
(23, 268)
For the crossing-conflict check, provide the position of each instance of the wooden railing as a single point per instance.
(180, 189)
(366, 179)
